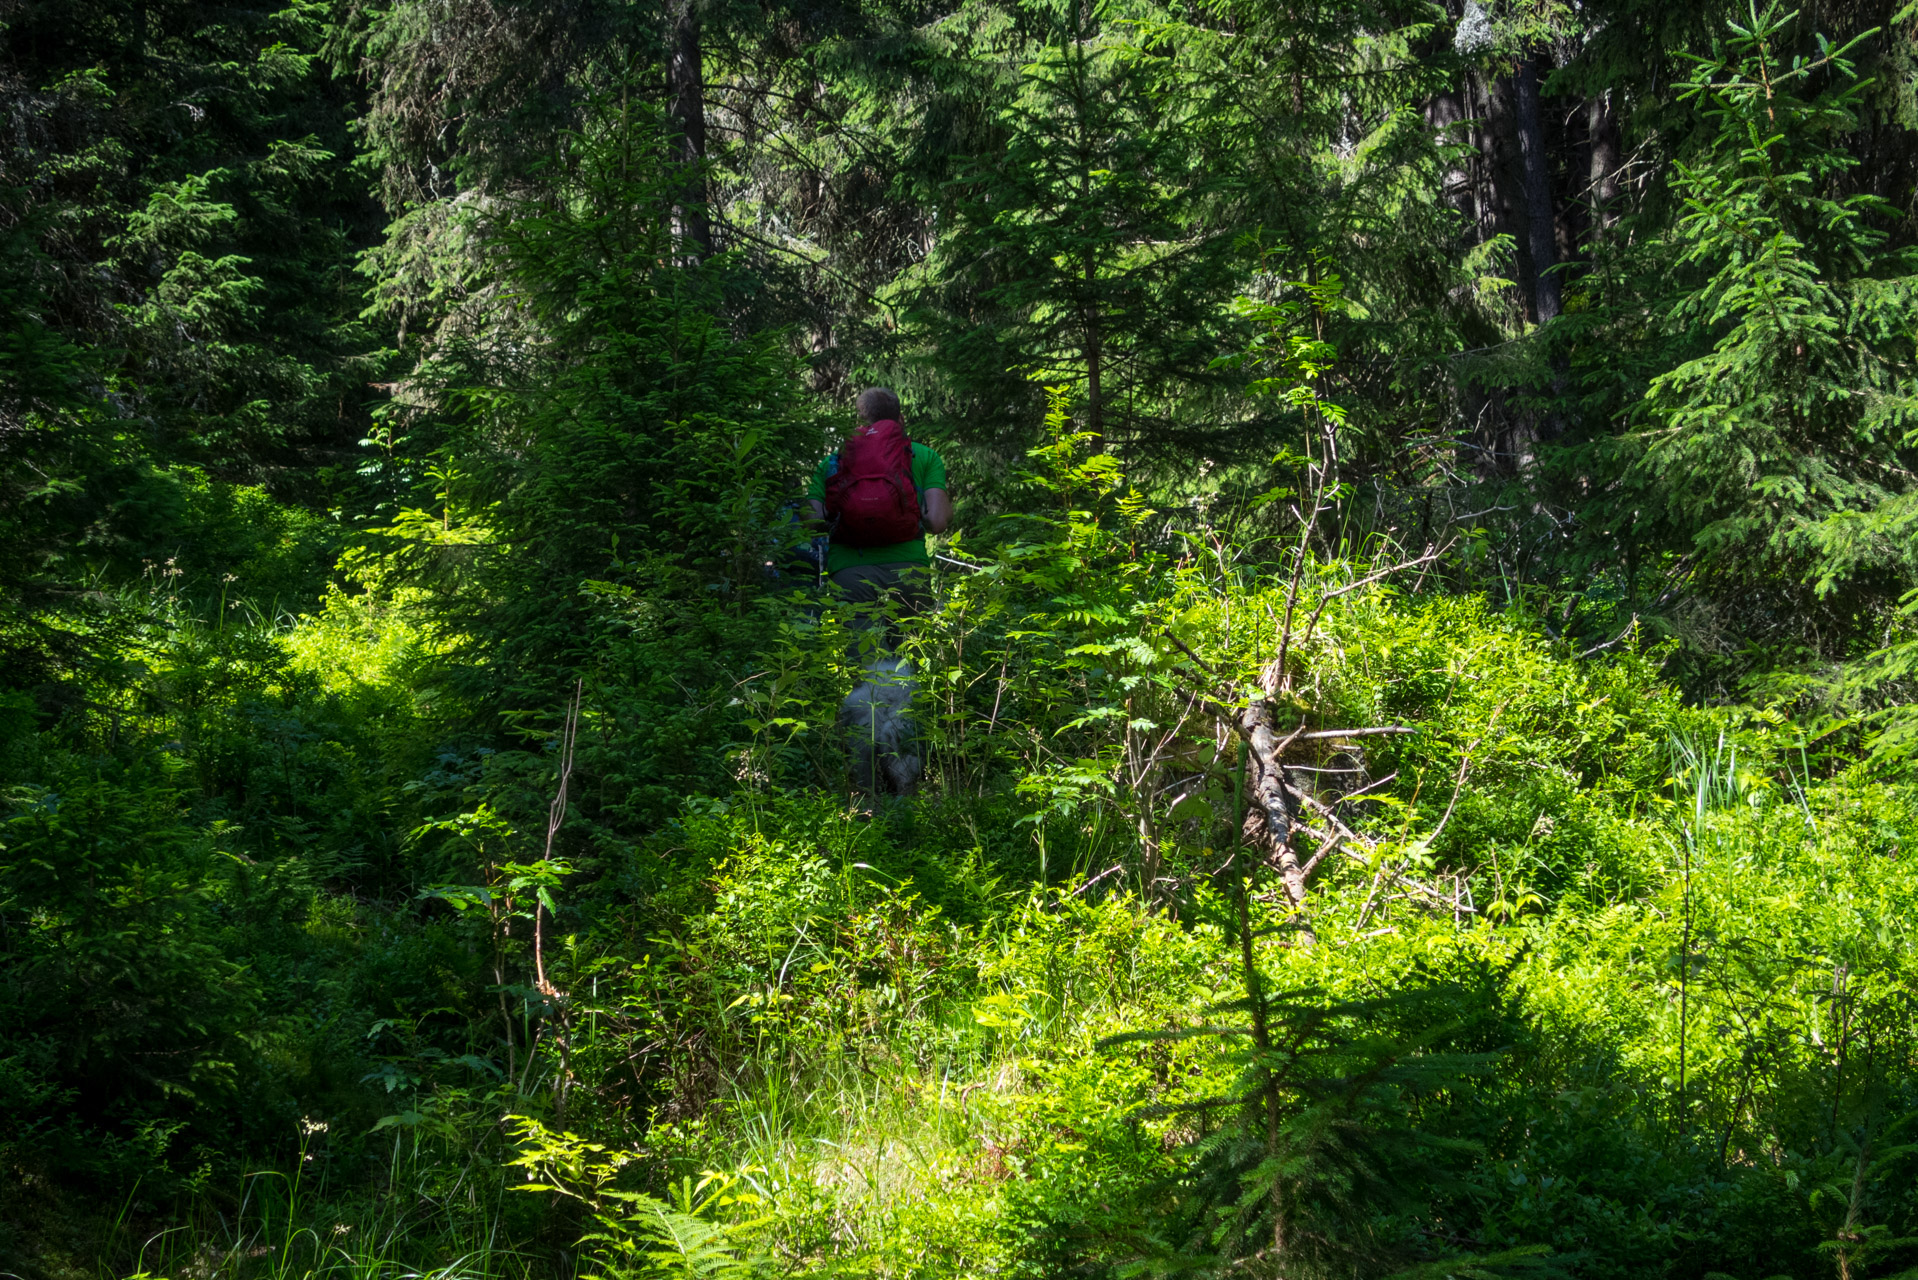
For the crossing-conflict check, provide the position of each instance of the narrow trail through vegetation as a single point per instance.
(1410, 755)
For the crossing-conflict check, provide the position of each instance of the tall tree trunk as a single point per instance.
(1507, 434)
(1087, 161)
(137, 44)
(686, 85)
(1095, 354)
(1448, 115)
(1601, 128)
(1540, 224)
(1485, 157)
(1505, 167)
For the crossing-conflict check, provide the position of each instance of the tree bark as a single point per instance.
(1481, 97)
(1601, 128)
(1540, 224)
(1274, 800)
(1449, 116)
(1505, 165)
(686, 86)
(1095, 354)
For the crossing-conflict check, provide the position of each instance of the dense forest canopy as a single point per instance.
(1414, 720)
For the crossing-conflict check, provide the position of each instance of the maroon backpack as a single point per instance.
(870, 497)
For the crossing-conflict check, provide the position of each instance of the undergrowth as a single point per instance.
(1604, 985)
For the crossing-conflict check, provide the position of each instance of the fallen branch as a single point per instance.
(1370, 786)
(1327, 843)
(1600, 648)
(1272, 795)
(555, 816)
(1428, 557)
(1095, 880)
(1344, 832)
(1365, 908)
(1266, 747)
(1375, 731)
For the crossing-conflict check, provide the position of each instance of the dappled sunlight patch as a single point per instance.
(359, 645)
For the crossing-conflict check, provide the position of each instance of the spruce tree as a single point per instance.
(1074, 253)
(1772, 466)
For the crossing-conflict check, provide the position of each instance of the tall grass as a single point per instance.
(858, 1153)
(286, 1225)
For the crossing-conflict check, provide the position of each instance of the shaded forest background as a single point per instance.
(1417, 728)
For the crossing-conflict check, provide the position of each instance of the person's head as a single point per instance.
(877, 404)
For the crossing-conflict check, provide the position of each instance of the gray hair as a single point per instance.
(876, 404)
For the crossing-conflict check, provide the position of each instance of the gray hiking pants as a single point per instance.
(870, 588)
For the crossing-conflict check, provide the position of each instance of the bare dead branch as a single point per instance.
(1096, 879)
(1430, 555)
(1370, 786)
(569, 736)
(1328, 841)
(1600, 648)
(1183, 648)
(1374, 731)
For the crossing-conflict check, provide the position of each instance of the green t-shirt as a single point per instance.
(928, 472)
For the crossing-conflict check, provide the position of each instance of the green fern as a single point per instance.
(648, 1239)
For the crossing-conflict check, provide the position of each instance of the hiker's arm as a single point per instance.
(817, 510)
(936, 506)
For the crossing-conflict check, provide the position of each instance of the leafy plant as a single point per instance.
(699, 1235)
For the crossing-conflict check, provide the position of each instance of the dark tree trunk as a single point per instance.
(1449, 116)
(1095, 353)
(1485, 158)
(1541, 234)
(1601, 130)
(686, 85)
(1505, 162)
(1516, 200)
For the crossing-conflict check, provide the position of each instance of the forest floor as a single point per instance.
(1595, 983)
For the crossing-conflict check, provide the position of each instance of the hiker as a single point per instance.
(878, 497)
(882, 737)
